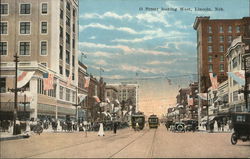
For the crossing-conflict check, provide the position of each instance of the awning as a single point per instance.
(203, 96)
(238, 76)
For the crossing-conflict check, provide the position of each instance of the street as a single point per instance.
(127, 143)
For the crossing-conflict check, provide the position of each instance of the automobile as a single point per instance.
(178, 127)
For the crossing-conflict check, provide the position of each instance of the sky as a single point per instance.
(129, 41)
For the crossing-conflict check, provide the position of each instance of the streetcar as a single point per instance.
(153, 121)
(241, 125)
(138, 120)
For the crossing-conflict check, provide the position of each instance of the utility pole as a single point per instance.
(15, 106)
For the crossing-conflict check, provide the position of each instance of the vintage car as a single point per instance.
(241, 126)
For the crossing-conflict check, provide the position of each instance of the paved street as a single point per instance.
(149, 143)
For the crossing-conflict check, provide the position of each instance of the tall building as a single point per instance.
(127, 93)
(214, 36)
(44, 34)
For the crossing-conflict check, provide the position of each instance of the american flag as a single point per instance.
(48, 81)
(213, 79)
(96, 99)
(86, 82)
(23, 77)
(190, 100)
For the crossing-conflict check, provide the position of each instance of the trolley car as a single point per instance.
(153, 121)
(241, 125)
(138, 119)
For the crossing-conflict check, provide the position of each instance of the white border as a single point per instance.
(19, 28)
(8, 10)
(41, 28)
(7, 27)
(7, 48)
(41, 8)
(19, 12)
(19, 48)
(40, 46)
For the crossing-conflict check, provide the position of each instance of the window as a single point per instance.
(73, 96)
(73, 43)
(67, 21)
(3, 48)
(73, 76)
(43, 48)
(73, 60)
(61, 70)
(230, 39)
(230, 29)
(44, 8)
(235, 62)
(221, 48)
(209, 29)
(67, 72)
(221, 58)
(221, 39)
(237, 29)
(74, 27)
(3, 27)
(235, 96)
(210, 58)
(67, 56)
(44, 64)
(221, 67)
(61, 32)
(24, 48)
(61, 13)
(44, 26)
(210, 49)
(67, 94)
(24, 27)
(210, 39)
(2, 85)
(61, 92)
(3, 9)
(61, 52)
(25, 9)
(67, 38)
(74, 12)
(210, 68)
(68, 6)
(221, 29)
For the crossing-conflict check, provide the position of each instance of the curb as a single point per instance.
(14, 137)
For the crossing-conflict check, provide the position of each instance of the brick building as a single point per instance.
(214, 36)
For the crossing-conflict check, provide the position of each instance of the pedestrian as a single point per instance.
(101, 131)
(115, 127)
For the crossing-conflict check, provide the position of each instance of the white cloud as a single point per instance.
(92, 37)
(106, 15)
(128, 67)
(126, 49)
(107, 27)
(161, 62)
(114, 76)
(177, 44)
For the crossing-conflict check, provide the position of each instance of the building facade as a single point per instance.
(43, 34)
(235, 55)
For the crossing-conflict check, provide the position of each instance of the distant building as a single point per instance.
(44, 34)
(127, 93)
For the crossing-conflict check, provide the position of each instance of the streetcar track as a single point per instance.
(73, 145)
(151, 150)
(128, 144)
